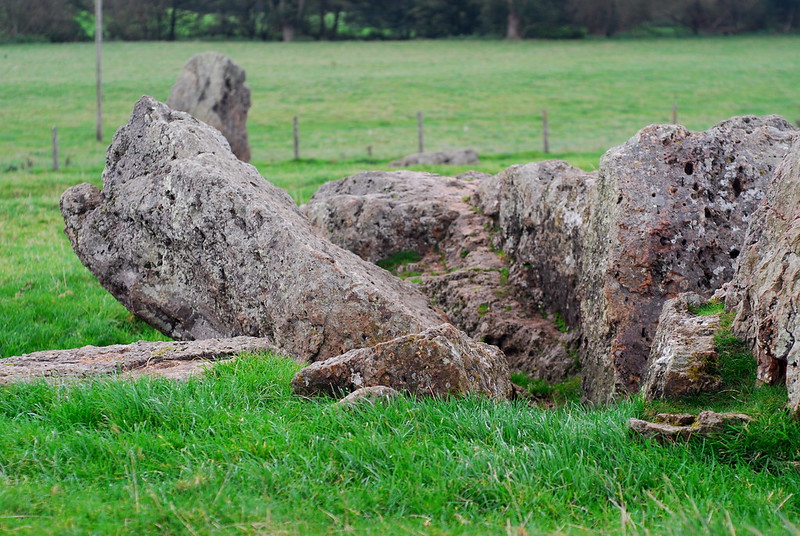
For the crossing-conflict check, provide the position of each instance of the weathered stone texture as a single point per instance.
(199, 245)
(681, 426)
(378, 214)
(441, 361)
(464, 157)
(369, 395)
(669, 215)
(765, 292)
(174, 360)
(683, 359)
(211, 88)
(541, 211)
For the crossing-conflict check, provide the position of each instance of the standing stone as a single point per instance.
(683, 359)
(669, 216)
(765, 292)
(211, 88)
(199, 245)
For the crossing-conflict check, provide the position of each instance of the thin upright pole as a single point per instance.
(674, 113)
(98, 41)
(545, 131)
(296, 131)
(55, 149)
(421, 132)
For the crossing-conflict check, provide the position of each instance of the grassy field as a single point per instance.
(236, 453)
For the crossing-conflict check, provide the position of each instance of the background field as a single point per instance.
(239, 454)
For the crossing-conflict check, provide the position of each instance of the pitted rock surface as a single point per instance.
(211, 88)
(378, 214)
(465, 157)
(541, 211)
(174, 360)
(683, 359)
(669, 216)
(765, 293)
(681, 426)
(441, 361)
(199, 245)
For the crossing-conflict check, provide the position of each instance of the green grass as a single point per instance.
(235, 452)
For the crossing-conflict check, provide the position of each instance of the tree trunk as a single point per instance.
(287, 30)
(512, 29)
(173, 20)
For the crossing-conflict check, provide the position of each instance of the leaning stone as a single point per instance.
(441, 361)
(683, 359)
(465, 157)
(669, 216)
(175, 360)
(674, 427)
(765, 293)
(370, 395)
(199, 245)
(211, 88)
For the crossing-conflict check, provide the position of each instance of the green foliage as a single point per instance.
(483, 309)
(708, 309)
(235, 452)
(560, 323)
(399, 259)
(560, 392)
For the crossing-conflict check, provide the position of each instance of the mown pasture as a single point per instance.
(236, 453)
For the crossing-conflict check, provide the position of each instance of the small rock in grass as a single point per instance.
(371, 395)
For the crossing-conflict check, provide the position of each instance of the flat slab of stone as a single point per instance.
(465, 157)
(674, 427)
(441, 361)
(197, 243)
(174, 360)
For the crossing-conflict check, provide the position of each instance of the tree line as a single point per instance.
(287, 20)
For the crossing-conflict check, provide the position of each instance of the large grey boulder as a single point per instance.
(541, 211)
(199, 245)
(174, 360)
(211, 87)
(683, 359)
(765, 293)
(464, 157)
(379, 214)
(669, 215)
(441, 361)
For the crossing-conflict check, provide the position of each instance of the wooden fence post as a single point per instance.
(55, 149)
(545, 131)
(420, 132)
(674, 113)
(296, 130)
(98, 40)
